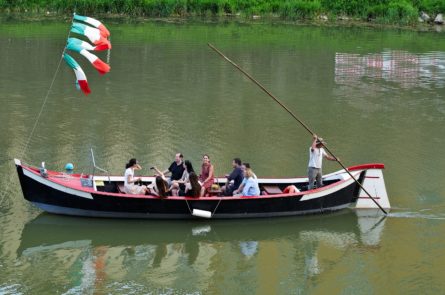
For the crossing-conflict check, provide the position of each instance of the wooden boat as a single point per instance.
(101, 196)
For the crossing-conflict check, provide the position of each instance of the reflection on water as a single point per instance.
(189, 255)
(406, 69)
(248, 248)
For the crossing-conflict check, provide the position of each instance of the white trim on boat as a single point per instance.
(331, 190)
(338, 175)
(56, 186)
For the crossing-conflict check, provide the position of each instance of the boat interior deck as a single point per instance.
(115, 184)
(266, 188)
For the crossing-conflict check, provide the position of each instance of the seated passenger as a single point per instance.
(251, 187)
(193, 188)
(129, 180)
(244, 166)
(153, 187)
(176, 169)
(160, 188)
(291, 189)
(178, 186)
(234, 179)
(206, 176)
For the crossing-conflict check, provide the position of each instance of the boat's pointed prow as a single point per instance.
(17, 162)
(374, 183)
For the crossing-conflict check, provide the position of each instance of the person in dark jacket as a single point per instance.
(234, 179)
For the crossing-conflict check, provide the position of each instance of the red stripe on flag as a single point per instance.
(103, 31)
(101, 47)
(103, 42)
(101, 67)
(84, 86)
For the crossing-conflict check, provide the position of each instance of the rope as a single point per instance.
(190, 210)
(33, 128)
(213, 213)
(5, 191)
(41, 109)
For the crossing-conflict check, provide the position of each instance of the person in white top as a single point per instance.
(129, 180)
(316, 154)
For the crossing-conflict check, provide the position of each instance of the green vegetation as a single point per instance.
(380, 11)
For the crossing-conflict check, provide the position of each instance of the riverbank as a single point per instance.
(120, 18)
(418, 15)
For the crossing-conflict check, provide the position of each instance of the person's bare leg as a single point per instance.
(203, 191)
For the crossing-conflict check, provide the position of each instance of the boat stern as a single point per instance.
(374, 184)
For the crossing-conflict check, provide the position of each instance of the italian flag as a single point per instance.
(95, 23)
(93, 34)
(84, 45)
(100, 66)
(80, 75)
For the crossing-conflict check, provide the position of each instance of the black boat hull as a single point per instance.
(53, 199)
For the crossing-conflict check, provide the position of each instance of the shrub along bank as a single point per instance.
(379, 11)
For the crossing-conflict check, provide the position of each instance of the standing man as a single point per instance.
(176, 168)
(234, 179)
(316, 154)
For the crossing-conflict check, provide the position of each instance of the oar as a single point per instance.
(295, 117)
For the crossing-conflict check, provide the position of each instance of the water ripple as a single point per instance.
(416, 215)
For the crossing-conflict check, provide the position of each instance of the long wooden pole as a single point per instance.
(295, 117)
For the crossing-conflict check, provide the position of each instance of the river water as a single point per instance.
(375, 96)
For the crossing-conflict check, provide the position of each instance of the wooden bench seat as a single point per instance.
(120, 188)
(272, 189)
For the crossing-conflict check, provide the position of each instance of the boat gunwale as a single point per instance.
(359, 168)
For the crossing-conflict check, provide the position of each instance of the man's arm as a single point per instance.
(314, 142)
(331, 158)
(158, 171)
(240, 188)
(169, 170)
(231, 176)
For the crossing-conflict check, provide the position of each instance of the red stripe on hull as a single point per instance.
(367, 166)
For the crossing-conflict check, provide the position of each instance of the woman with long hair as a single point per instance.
(206, 176)
(129, 180)
(161, 187)
(193, 188)
(251, 188)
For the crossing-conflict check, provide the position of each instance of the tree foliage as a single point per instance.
(386, 11)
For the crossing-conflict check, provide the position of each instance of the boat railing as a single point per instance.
(98, 168)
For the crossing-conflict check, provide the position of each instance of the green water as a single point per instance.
(374, 95)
